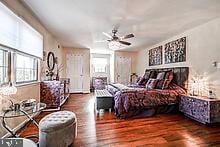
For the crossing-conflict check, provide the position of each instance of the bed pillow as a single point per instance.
(138, 79)
(149, 74)
(160, 75)
(169, 75)
(142, 81)
(163, 84)
(151, 83)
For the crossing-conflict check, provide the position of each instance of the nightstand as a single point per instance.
(202, 109)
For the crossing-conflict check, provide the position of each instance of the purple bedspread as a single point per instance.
(140, 98)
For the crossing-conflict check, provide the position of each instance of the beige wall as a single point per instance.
(132, 55)
(203, 48)
(50, 44)
(86, 65)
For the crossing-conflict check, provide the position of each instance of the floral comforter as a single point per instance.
(130, 98)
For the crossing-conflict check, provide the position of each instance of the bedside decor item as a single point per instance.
(155, 56)
(199, 86)
(175, 51)
(200, 108)
(133, 78)
(211, 95)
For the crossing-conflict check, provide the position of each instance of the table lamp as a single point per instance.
(8, 91)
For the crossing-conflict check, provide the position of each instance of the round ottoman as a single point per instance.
(58, 129)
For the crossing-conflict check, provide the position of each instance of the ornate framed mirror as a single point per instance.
(50, 61)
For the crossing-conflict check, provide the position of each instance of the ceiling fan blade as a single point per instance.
(99, 41)
(127, 36)
(125, 43)
(107, 35)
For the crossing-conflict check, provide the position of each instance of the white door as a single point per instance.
(123, 70)
(74, 71)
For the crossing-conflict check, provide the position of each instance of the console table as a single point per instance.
(202, 109)
(26, 111)
(54, 93)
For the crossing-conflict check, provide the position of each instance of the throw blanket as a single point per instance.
(122, 87)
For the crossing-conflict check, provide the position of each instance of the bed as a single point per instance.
(137, 101)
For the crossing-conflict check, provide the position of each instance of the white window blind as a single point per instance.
(16, 33)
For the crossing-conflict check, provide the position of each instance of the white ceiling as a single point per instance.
(79, 23)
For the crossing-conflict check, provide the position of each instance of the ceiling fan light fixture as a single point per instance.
(114, 45)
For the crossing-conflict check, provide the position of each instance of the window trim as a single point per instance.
(9, 66)
(15, 70)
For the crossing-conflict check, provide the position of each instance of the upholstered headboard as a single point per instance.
(181, 75)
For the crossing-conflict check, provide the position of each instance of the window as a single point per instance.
(99, 64)
(3, 67)
(26, 69)
(20, 48)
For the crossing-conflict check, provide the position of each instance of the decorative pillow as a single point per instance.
(149, 74)
(142, 81)
(160, 84)
(160, 75)
(138, 79)
(151, 84)
(169, 75)
(163, 84)
(166, 84)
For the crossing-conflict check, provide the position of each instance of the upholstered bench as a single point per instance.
(58, 129)
(104, 100)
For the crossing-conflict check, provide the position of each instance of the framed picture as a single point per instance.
(155, 56)
(175, 51)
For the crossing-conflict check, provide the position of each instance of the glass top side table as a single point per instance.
(23, 111)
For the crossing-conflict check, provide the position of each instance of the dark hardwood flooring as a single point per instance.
(105, 129)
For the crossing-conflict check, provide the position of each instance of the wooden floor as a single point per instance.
(160, 130)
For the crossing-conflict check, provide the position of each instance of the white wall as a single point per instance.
(202, 49)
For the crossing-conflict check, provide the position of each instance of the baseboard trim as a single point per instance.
(51, 109)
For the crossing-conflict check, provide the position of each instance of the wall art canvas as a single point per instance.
(155, 56)
(175, 51)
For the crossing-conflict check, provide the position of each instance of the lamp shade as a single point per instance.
(8, 90)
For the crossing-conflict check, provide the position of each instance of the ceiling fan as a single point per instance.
(115, 41)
